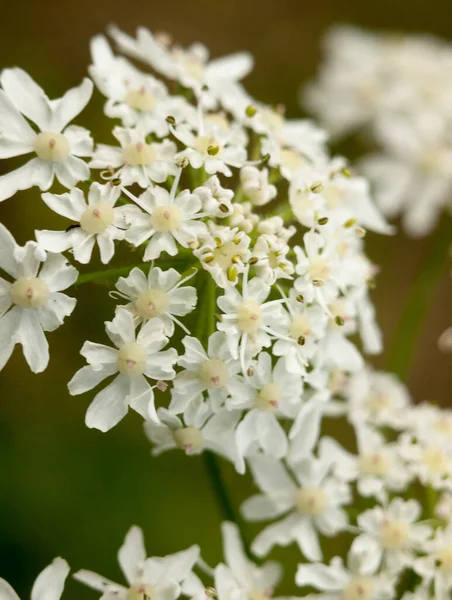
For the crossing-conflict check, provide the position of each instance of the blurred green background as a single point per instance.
(66, 490)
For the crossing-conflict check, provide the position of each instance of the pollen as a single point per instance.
(29, 293)
(214, 373)
(268, 399)
(152, 303)
(359, 588)
(52, 147)
(139, 154)
(132, 359)
(311, 501)
(141, 100)
(249, 317)
(97, 218)
(394, 534)
(189, 439)
(224, 255)
(166, 218)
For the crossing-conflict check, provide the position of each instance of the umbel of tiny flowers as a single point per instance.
(57, 148)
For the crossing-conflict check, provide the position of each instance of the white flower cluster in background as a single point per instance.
(398, 90)
(238, 332)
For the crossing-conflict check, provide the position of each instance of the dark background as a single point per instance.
(66, 490)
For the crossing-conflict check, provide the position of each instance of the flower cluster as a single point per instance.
(398, 89)
(253, 262)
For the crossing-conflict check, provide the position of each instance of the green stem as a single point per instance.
(95, 276)
(400, 357)
(213, 465)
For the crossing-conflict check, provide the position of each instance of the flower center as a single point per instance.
(319, 270)
(224, 254)
(377, 403)
(394, 534)
(435, 460)
(204, 142)
(373, 464)
(311, 501)
(214, 373)
(96, 219)
(132, 359)
(29, 293)
(141, 591)
(141, 100)
(249, 317)
(333, 196)
(166, 218)
(189, 439)
(195, 68)
(152, 303)
(52, 147)
(292, 160)
(300, 327)
(359, 588)
(138, 154)
(444, 558)
(256, 594)
(268, 399)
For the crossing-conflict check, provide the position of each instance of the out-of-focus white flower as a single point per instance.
(49, 584)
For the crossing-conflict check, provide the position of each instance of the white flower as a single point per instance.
(49, 584)
(159, 296)
(429, 460)
(56, 147)
(97, 221)
(188, 66)
(158, 578)
(166, 220)
(299, 339)
(270, 252)
(255, 185)
(214, 371)
(270, 394)
(240, 578)
(135, 358)
(216, 200)
(211, 148)
(391, 534)
(340, 582)
(32, 303)
(437, 565)
(313, 504)
(377, 467)
(200, 429)
(136, 160)
(248, 319)
(224, 253)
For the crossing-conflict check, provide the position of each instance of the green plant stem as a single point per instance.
(400, 357)
(95, 276)
(213, 466)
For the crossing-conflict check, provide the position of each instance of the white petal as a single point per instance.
(57, 273)
(13, 123)
(80, 140)
(109, 406)
(58, 307)
(132, 554)
(33, 340)
(34, 172)
(6, 591)
(97, 582)
(26, 95)
(234, 553)
(71, 104)
(321, 577)
(9, 326)
(71, 171)
(7, 249)
(87, 378)
(54, 241)
(308, 539)
(70, 204)
(50, 583)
